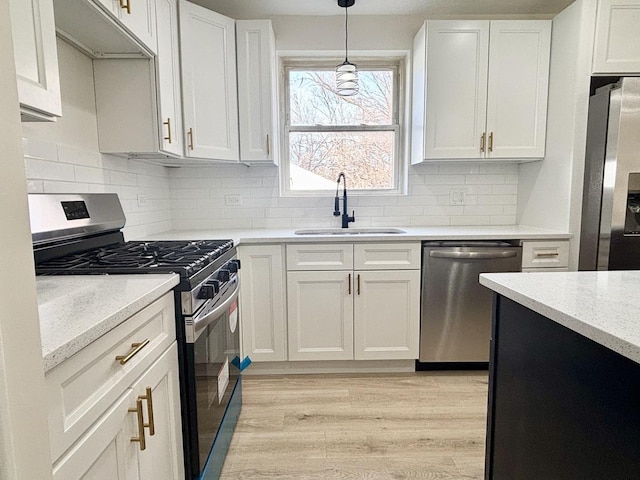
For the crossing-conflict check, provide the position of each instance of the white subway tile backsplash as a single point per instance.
(90, 174)
(48, 170)
(76, 156)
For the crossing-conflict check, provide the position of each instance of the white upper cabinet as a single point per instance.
(210, 101)
(138, 16)
(257, 101)
(36, 58)
(617, 42)
(168, 76)
(480, 89)
(518, 88)
(139, 102)
(104, 28)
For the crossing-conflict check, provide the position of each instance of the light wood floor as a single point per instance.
(398, 426)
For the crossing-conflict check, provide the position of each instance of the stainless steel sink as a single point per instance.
(349, 231)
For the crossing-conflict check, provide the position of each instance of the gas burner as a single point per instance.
(183, 257)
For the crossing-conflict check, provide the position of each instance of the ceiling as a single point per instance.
(426, 8)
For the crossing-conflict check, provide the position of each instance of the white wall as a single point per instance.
(24, 439)
(63, 157)
(491, 188)
(550, 192)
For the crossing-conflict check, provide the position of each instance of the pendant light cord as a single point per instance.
(346, 34)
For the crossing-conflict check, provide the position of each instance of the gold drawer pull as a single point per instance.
(126, 6)
(268, 146)
(140, 438)
(483, 140)
(168, 124)
(190, 136)
(358, 284)
(491, 142)
(349, 285)
(151, 425)
(136, 347)
(547, 254)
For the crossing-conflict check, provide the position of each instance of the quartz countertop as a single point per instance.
(75, 310)
(266, 236)
(602, 306)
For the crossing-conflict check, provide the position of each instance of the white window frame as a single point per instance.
(399, 62)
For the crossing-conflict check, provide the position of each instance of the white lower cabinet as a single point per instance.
(262, 302)
(114, 420)
(320, 306)
(387, 304)
(545, 255)
(367, 310)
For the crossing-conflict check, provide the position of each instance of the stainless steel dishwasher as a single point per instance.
(455, 317)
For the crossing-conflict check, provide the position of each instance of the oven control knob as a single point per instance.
(213, 283)
(206, 291)
(233, 266)
(224, 275)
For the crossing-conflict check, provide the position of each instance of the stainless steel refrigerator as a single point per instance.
(610, 229)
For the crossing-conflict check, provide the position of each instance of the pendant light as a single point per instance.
(346, 72)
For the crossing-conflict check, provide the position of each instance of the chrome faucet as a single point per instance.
(346, 219)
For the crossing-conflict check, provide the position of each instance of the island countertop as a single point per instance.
(602, 306)
(76, 310)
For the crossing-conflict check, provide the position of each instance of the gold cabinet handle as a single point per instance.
(168, 124)
(491, 142)
(140, 438)
(126, 4)
(151, 424)
(136, 347)
(268, 146)
(358, 284)
(547, 254)
(483, 140)
(190, 136)
(349, 285)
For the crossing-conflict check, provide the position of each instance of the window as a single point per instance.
(325, 133)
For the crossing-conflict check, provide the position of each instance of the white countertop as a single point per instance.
(258, 236)
(602, 306)
(76, 310)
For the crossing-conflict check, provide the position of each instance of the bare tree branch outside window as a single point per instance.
(329, 134)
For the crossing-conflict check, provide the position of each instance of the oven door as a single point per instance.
(213, 349)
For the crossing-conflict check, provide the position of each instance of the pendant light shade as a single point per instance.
(346, 72)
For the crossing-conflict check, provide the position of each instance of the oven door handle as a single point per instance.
(200, 323)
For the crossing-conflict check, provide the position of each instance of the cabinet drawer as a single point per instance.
(327, 256)
(387, 256)
(544, 254)
(82, 388)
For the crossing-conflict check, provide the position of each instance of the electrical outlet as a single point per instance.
(233, 200)
(458, 196)
(143, 200)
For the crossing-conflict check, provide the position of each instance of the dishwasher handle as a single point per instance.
(473, 255)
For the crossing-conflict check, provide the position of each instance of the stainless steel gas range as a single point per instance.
(77, 234)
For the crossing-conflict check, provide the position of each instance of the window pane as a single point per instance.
(317, 158)
(313, 101)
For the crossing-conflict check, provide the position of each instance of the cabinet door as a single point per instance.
(517, 88)
(257, 106)
(106, 452)
(139, 17)
(262, 303)
(168, 70)
(36, 58)
(456, 96)
(210, 100)
(320, 312)
(163, 456)
(617, 42)
(387, 314)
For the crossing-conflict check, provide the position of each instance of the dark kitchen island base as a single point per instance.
(560, 405)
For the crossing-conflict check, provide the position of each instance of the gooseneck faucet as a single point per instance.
(346, 219)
